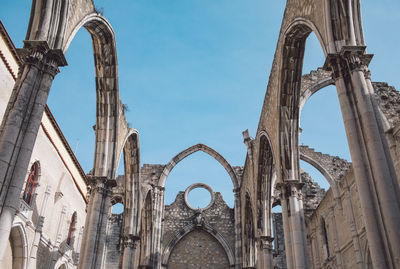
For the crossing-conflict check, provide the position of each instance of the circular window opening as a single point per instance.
(118, 208)
(199, 196)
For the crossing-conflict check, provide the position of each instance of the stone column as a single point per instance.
(265, 258)
(20, 125)
(129, 258)
(298, 227)
(38, 230)
(157, 228)
(96, 221)
(131, 221)
(238, 230)
(378, 190)
(286, 225)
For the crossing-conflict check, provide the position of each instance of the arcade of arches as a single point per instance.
(53, 215)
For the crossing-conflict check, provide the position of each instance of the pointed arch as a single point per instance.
(264, 184)
(198, 147)
(19, 246)
(108, 99)
(312, 83)
(323, 171)
(292, 56)
(248, 234)
(146, 230)
(31, 183)
(191, 227)
(132, 183)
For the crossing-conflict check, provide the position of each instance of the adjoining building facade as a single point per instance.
(53, 215)
(48, 226)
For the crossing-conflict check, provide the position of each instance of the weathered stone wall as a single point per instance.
(178, 216)
(336, 231)
(388, 100)
(198, 249)
(312, 194)
(113, 241)
(279, 242)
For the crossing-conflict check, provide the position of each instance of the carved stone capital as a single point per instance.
(266, 242)
(101, 185)
(290, 188)
(130, 241)
(39, 54)
(349, 59)
(158, 190)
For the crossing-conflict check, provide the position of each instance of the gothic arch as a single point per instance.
(19, 246)
(108, 99)
(198, 147)
(132, 183)
(312, 83)
(131, 150)
(146, 230)
(265, 172)
(191, 227)
(292, 56)
(323, 171)
(61, 264)
(249, 245)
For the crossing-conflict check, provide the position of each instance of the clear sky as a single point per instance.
(195, 71)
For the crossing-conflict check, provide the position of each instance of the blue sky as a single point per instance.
(195, 71)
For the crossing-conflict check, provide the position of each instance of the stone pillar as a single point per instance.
(38, 230)
(238, 230)
(265, 258)
(131, 221)
(298, 227)
(130, 245)
(294, 224)
(286, 225)
(157, 228)
(91, 255)
(378, 190)
(20, 126)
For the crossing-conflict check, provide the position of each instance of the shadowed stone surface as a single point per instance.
(198, 249)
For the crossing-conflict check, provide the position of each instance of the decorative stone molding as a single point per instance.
(195, 186)
(101, 185)
(349, 59)
(39, 54)
(130, 241)
(290, 188)
(266, 242)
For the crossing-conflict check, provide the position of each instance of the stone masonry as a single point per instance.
(198, 248)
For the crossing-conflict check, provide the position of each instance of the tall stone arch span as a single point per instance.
(198, 147)
(159, 199)
(337, 26)
(205, 228)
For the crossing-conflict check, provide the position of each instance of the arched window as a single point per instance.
(71, 229)
(31, 183)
